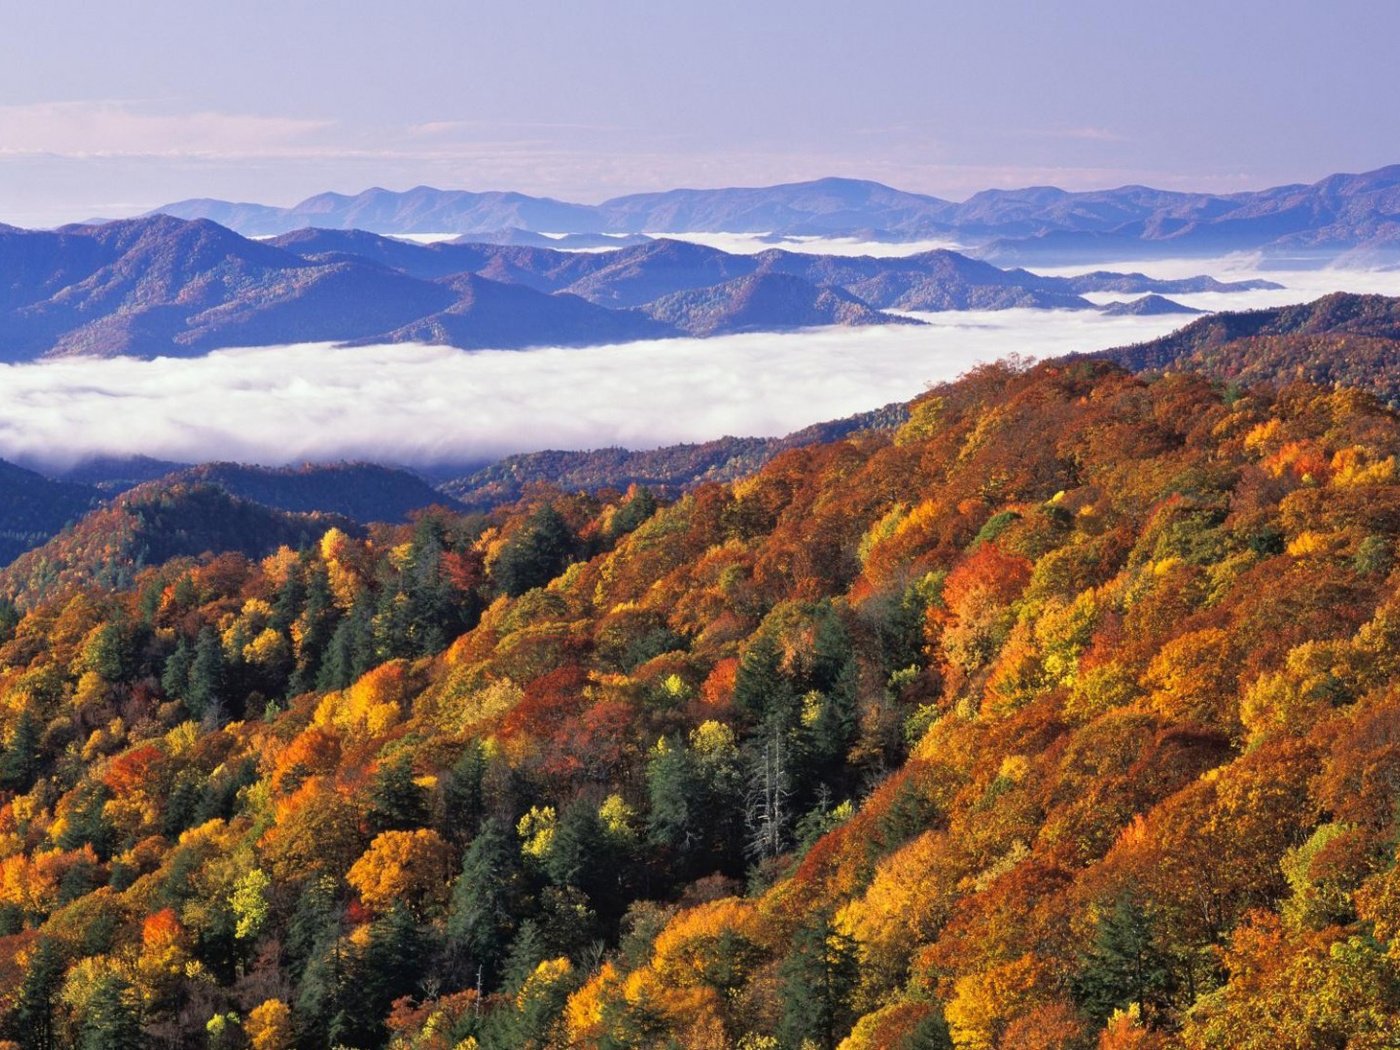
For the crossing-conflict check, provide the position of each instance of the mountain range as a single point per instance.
(1348, 217)
(163, 286)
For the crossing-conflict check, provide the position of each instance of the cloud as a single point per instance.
(113, 127)
(423, 405)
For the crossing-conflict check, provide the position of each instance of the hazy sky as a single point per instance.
(115, 107)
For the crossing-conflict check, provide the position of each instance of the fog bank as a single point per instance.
(425, 404)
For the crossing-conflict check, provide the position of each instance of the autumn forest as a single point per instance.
(1062, 715)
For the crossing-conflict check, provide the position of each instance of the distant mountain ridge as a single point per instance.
(163, 286)
(1351, 216)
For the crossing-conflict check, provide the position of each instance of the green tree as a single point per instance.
(33, 1013)
(463, 794)
(175, 678)
(397, 803)
(479, 923)
(535, 554)
(1125, 965)
(205, 695)
(19, 764)
(818, 979)
(112, 1019)
(761, 691)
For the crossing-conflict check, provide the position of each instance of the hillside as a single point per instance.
(1344, 216)
(764, 303)
(1148, 305)
(667, 472)
(1340, 339)
(149, 525)
(1060, 716)
(33, 508)
(362, 492)
(162, 286)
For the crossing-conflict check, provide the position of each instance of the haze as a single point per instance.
(111, 109)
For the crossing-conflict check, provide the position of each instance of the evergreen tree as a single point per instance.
(9, 619)
(396, 802)
(351, 651)
(1125, 966)
(579, 852)
(818, 979)
(318, 622)
(535, 554)
(19, 764)
(677, 812)
(762, 693)
(87, 823)
(111, 1020)
(479, 916)
(175, 679)
(33, 1011)
(205, 695)
(463, 794)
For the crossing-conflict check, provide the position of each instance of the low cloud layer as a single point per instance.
(424, 405)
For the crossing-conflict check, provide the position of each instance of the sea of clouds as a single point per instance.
(428, 405)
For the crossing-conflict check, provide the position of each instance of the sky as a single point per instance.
(110, 109)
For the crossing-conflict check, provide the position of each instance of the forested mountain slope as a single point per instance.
(1341, 339)
(1062, 716)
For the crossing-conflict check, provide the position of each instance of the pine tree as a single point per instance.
(1125, 966)
(463, 794)
(19, 765)
(818, 978)
(175, 679)
(536, 554)
(204, 697)
(33, 1011)
(761, 690)
(111, 1020)
(479, 915)
(675, 791)
(397, 803)
(318, 622)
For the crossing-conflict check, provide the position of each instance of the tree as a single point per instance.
(1125, 966)
(479, 917)
(761, 690)
(111, 1020)
(463, 794)
(535, 554)
(205, 694)
(396, 801)
(818, 977)
(33, 1012)
(19, 764)
(406, 869)
(175, 678)
(269, 1026)
(769, 812)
